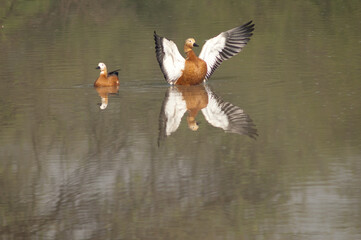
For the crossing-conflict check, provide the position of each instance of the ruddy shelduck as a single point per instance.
(106, 79)
(194, 70)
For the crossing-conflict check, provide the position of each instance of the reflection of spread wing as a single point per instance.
(171, 114)
(225, 115)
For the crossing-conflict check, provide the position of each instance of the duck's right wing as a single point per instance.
(170, 60)
(224, 46)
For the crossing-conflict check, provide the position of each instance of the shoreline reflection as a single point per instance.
(191, 99)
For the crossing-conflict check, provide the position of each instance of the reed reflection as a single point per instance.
(217, 112)
(104, 94)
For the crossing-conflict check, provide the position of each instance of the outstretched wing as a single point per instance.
(225, 115)
(170, 60)
(224, 46)
(172, 111)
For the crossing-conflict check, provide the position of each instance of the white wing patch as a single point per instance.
(170, 60)
(173, 62)
(211, 50)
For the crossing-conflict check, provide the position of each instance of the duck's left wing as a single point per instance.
(224, 46)
(170, 60)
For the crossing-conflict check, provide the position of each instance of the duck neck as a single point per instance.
(189, 52)
(104, 72)
(187, 48)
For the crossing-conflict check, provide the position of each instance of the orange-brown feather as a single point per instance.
(196, 98)
(106, 81)
(195, 69)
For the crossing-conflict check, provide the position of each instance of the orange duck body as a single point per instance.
(195, 69)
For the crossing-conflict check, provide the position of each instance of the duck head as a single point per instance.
(189, 44)
(102, 67)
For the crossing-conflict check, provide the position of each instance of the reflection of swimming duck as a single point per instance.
(106, 79)
(193, 70)
(104, 92)
(192, 99)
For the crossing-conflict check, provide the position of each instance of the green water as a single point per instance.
(69, 170)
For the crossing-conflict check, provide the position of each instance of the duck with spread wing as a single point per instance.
(194, 70)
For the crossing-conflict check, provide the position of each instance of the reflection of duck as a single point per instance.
(193, 70)
(106, 79)
(195, 98)
(104, 92)
(192, 99)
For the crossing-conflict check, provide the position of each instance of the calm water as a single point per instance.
(287, 167)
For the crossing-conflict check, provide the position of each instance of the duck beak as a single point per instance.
(195, 45)
(97, 67)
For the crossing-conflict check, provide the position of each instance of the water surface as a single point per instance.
(70, 170)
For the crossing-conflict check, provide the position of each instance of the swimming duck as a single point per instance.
(193, 70)
(106, 79)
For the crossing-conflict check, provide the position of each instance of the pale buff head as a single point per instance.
(102, 67)
(189, 44)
